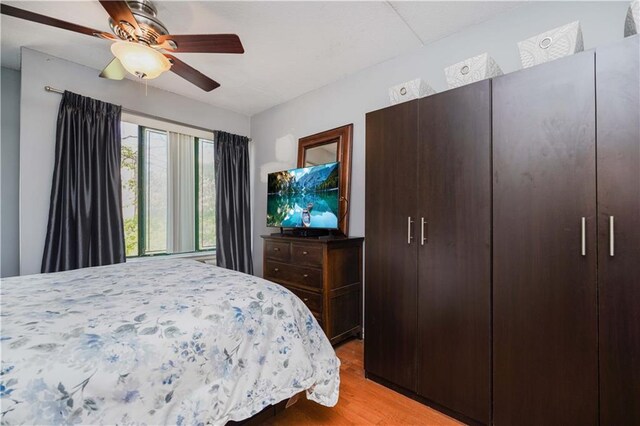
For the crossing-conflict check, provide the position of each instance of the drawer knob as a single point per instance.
(306, 275)
(306, 299)
(304, 253)
(275, 269)
(276, 249)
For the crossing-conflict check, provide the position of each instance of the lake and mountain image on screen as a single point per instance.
(304, 198)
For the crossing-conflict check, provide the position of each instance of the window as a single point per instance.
(168, 190)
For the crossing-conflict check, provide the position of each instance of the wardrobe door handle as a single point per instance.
(583, 232)
(409, 237)
(423, 239)
(611, 237)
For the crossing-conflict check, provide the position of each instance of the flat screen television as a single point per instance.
(304, 198)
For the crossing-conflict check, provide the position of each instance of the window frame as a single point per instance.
(142, 130)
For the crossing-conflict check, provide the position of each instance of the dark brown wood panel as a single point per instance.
(545, 356)
(454, 278)
(618, 142)
(344, 303)
(391, 262)
(339, 272)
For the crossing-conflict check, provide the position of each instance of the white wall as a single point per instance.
(348, 100)
(38, 116)
(10, 156)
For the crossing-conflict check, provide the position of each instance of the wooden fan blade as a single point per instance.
(53, 22)
(114, 71)
(192, 75)
(204, 43)
(120, 12)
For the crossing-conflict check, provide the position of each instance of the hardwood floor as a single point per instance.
(362, 402)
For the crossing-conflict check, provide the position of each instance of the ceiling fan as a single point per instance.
(142, 44)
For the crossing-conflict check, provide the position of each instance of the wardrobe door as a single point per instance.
(454, 271)
(544, 245)
(391, 249)
(618, 97)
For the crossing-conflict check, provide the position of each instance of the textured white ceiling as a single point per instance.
(432, 20)
(290, 47)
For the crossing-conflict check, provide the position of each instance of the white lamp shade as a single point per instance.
(140, 60)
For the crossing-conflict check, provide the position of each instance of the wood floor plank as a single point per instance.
(362, 402)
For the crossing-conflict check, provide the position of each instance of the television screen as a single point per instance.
(304, 198)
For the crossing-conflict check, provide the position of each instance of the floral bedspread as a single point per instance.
(157, 342)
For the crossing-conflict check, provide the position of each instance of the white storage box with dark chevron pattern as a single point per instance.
(471, 70)
(409, 90)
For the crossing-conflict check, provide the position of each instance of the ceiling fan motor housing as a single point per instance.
(146, 14)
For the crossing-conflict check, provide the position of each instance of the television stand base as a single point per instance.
(323, 234)
(308, 233)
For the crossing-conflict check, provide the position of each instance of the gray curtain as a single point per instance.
(233, 205)
(85, 213)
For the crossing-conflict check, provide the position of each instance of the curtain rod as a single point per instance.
(130, 111)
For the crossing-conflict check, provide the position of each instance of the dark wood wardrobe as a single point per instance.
(544, 245)
(429, 215)
(618, 166)
(502, 259)
(391, 303)
(454, 250)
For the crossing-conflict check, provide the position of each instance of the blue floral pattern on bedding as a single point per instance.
(156, 342)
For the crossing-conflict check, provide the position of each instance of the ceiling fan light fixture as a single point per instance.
(140, 60)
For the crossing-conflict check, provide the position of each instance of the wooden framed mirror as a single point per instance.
(326, 147)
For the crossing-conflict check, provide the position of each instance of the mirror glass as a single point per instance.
(322, 154)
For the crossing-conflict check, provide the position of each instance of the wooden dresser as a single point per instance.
(324, 273)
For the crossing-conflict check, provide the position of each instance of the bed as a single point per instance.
(170, 341)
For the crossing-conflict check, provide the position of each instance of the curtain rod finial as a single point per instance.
(53, 89)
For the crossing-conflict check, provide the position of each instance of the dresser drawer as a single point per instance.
(312, 300)
(299, 275)
(278, 250)
(309, 255)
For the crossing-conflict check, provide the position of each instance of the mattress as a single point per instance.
(169, 341)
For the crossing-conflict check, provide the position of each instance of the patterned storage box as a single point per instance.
(471, 70)
(632, 23)
(562, 41)
(409, 90)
